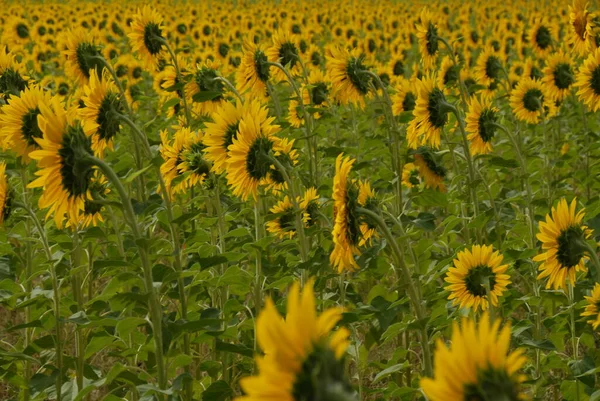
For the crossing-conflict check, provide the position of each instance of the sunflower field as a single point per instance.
(283, 200)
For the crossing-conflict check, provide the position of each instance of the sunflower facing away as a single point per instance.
(284, 224)
(222, 131)
(309, 204)
(430, 169)
(473, 270)
(480, 119)
(367, 200)
(12, 78)
(580, 20)
(19, 122)
(592, 309)
(284, 51)
(588, 81)
(288, 157)
(316, 93)
(204, 82)
(349, 78)
(477, 365)
(530, 101)
(303, 355)
(410, 175)
(489, 67)
(561, 236)
(427, 33)
(5, 196)
(559, 76)
(254, 72)
(91, 214)
(64, 177)
(82, 55)
(431, 115)
(146, 36)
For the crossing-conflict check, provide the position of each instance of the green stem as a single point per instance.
(231, 87)
(571, 299)
(186, 108)
(77, 293)
(258, 264)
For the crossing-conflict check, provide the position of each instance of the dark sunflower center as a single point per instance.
(372, 45)
(398, 68)
(288, 54)
(486, 128)
(137, 72)
(275, 174)
(353, 220)
(29, 127)
(113, 54)
(543, 38)
(533, 99)
(42, 30)
(432, 39)
(230, 134)
(493, 67)
(432, 164)
(7, 206)
(536, 73)
(414, 177)
(451, 75)
(22, 31)
(196, 161)
(316, 59)
(318, 94)
(570, 250)
(108, 116)
(312, 209)
(438, 117)
(261, 65)
(356, 71)
(563, 76)
(89, 57)
(223, 49)
(121, 70)
(492, 385)
(205, 79)
(519, 71)
(75, 173)
(474, 36)
(12, 83)
(477, 278)
(181, 28)
(153, 38)
(287, 220)
(409, 102)
(595, 81)
(258, 164)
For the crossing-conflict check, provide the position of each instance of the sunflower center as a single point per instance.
(312, 208)
(316, 59)
(29, 127)
(196, 161)
(258, 164)
(409, 102)
(121, 70)
(356, 71)
(432, 165)
(533, 100)
(437, 116)
(107, 116)
(486, 128)
(451, 75)
(22, 31)
(398, 68)
(318, 94)
(570, 250)
(321, 378)
(543, 37)
(88, 57)
(205, 79)
(223, 49)
(75, 174)
(414, 177)
(476, 280)
(137, 72)
(286, 220)
(432, 39)
(595, 81)
(536, 73)
(153, 38)
(493, 67)
(12, 83)
(492, 385)
(288, 54)
(563, 77)
(181, 28)
(261, 64)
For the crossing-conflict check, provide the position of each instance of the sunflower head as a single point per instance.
(92, 211)
(367, 200)
(588, 81)
(5, 195)
(146, 35)
(349, 75)
(283, 224)
(430, 169)
(205, 87)
(405, 98)
(12, 81)
(254, 71)
(481, 120)
(430, 114)
(285, 50)
(309, 204)
(559, 76)
(83, 55)
(428, 36)
(592, 309)
(580, 20)
(221, 132)
(410, 175)
(531, 102)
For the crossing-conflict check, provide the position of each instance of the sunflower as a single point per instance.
(530, 101)
(194, 163)
(540, 37)
(100, 116)
(588, 81)
(431, 115)
(249, 165)
(184, 165)
(91, 215)
(309, 204)
(477, 365)
(489, 67)
(223, 131)
(480, 119)
(427, 34)
(410, 175)
(367, 200)
(19, 123)
(448, 76)
(316, 92)
(350, 79)
(405, 98)
(295, 116)
(582, 34)
(254, 72)
(559, 76)
(284, 51)
(146, 36)
(592, 309)
(346, 230)
(82, 55)
(561, 235)
(17, 32)
(432, 172)
(288, 157)
(204, 83)
(472, 271)
(64, 176)
(5, 195)
(283, 226)
(302, 359)
(12, 79)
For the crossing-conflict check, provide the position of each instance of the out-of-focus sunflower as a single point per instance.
(194, 163)
(82, 55)
(430, 169)
(562, 235)
(588, 81)
(5, 195)
(530, 101)
(303, 355)
(559, 76)
(309, 204)
(405, 98)
(349, 77)
(476, 271)
(146, 36)
(12, 77)
(287, 156)
(100, 116)
(367, 200)
(65, 178)
(448, 76)
(19, 121)
(295, 115)
(91, 215)
(427, 33)
(223, 131)
(480, 119)
(17, 31)
(581, 35)
(316, 93)
(283, 225)
(431, 115)
(480, 352)
(410, 175)
(488, 67)
(541, 37)
(254, 71)
(284, 51)
(204, 82)
(592, 309)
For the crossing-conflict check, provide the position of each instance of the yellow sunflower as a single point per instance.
(194, 163)
(559, 76)
(480, 119)
(427, 34)
(430, 170)
(63, 176)
(146, 36)
(221, 133)
(5, 196)
(473, 270)
(405, 98)
(348, 73)
(205, 85)
(288, 157)
(283, 225)
(367, 200)
(17, 31)
(477, 365)
(489, 66)
(430, 115)
(309, 204)
(19, 122)
(541, 37)
(561, 236)
(82, 55)
(303, 355)
(295, 116)
(254, 71)
(285, 50)
(410, 175)
(592, 309)
(581, 35)
(100, 116)
(530, 101)
(588, 81)
(91, 215)
(12, 78)
(448, 76)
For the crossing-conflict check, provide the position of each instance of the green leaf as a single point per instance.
(129, 179)
(234, 348)
(392, 369)
(217, 391)
(542, 344)
(128, 325)
(238, 232)
(205, 96)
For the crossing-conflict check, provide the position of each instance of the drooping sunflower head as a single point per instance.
(349, 75)
(530, 101)
(254, 71)
(283, 224)
(205, 89)
(82, 56)
(221, 132)
(405, 99)
(541, 37)
(303, 355)
(430, 114)
(581, 32)
(410, 175)
(592, 309)
(563, 252)
(489, 66)
(19, 128)
(588, 81)
(12, 78)
(101, 112)
(309, 204)
(430, 169)
(5, 195)
(480, 122)
(477, 277)
(146, 36)
(285, 50)
(428, 35)
(480, 352)
(559, 76)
